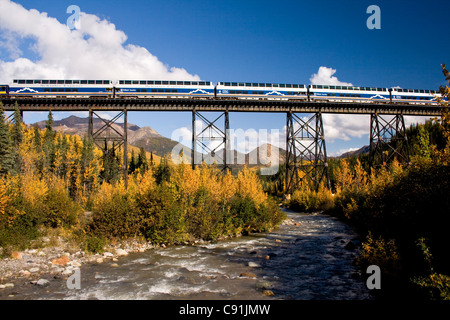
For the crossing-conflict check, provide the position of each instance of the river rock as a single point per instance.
(42, 283)
(16, 255)
(252, 264)
(268, 293)
(61, 261)
(264, 285)
(8, 285)
(248, 275)
(33, 270)
(121, 252)
(350, 246)
(108, 255)
(24, 273)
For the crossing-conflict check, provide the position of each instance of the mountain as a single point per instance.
(360, 151)
(145, 137)
(159, 145)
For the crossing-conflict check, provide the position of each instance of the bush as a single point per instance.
(113, 213)
(95, 244)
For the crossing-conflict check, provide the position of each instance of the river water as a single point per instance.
(307, 261)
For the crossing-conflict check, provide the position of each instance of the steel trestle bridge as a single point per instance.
(305, 140)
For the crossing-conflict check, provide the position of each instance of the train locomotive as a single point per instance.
(45, 88)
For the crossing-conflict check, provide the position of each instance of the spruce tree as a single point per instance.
(6, 156)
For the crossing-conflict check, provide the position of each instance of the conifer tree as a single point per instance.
(132, 165)
(6, 156)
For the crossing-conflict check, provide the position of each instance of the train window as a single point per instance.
(172, 83)
(422, 91)
(60, 81)
(201, 83)
(157, 82)
(194, 83)
(21, 81)
(142, 82)
(68, 81)
(151, 82)
(247, 84)
(338, 87)
(91, 81)
(275, 85)
(234, 84)
(75, 90)
(255, 85)
(416, 91)
(68, 90)
(187, 83)
(282, 86)
(61, 90)
(135, 82)
(14, 81)
(52, 81)
(295, 86)
(165, 82)
(332, 87)
(289, 86)
(83, 81)
(427, 91)
(53, 90)
(143, 90)
(37, 81)
(76, 81)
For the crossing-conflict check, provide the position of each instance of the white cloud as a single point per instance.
(325, 76)
(97, 50)
(340, 126)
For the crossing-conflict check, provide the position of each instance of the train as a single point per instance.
(46, 88)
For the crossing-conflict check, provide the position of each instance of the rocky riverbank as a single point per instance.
(60, 260)
(38, 265)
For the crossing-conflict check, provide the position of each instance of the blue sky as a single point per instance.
(267, 41)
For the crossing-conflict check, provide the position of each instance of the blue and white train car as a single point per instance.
(261, 90)
(348, 93)
(163, 89)
(415, 96)
(45, 88)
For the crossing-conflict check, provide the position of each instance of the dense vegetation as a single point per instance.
(402, 211)
(48, 180)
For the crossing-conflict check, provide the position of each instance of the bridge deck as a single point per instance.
(232, 105)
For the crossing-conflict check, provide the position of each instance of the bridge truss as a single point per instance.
(306, 157)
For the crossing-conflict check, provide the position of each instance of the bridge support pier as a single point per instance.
(388, 140)
(306, 155)
(210, 138)
(109, 134)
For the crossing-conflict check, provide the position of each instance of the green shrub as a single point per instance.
(95, 244)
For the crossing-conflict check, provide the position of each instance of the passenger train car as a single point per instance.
(261, 90)
(163, 88)
(61, 88)
(43, 88)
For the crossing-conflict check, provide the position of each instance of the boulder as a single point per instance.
(121, 252)
(42, 283)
